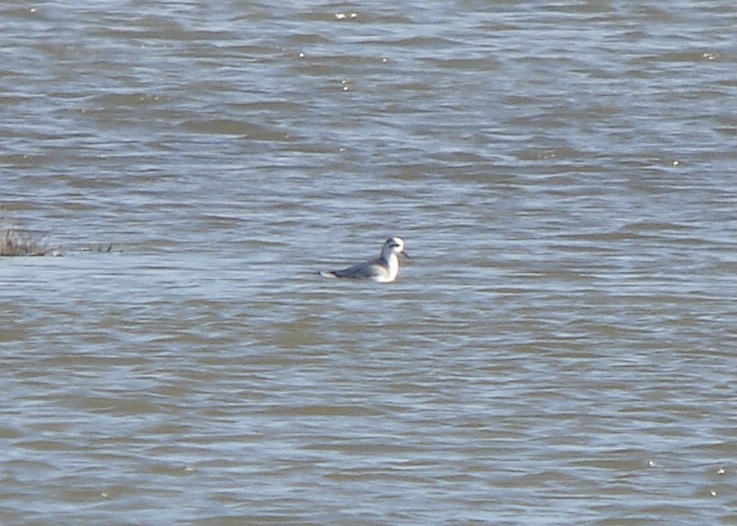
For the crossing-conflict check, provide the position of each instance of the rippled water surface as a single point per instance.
(560, 349)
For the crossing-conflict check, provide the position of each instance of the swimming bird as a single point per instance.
(382, 269)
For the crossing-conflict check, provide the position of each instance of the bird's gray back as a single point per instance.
(368, 269)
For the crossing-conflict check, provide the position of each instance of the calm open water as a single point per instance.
(561, 349)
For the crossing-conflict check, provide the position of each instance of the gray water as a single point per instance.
(559, 350)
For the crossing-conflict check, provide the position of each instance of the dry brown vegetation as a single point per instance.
(13, 243)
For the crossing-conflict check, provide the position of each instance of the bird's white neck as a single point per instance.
(392, 262)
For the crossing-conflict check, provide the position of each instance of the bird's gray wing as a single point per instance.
(369, 269)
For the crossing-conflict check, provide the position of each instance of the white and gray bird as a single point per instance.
(382, 269)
